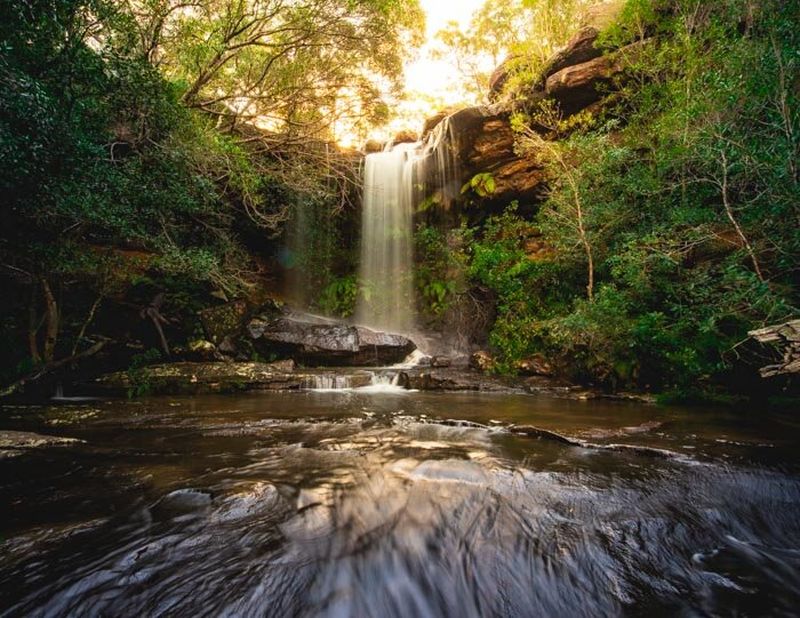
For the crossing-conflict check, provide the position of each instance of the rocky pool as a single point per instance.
(374, 503)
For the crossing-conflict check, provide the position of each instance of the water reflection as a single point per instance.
(377, 506)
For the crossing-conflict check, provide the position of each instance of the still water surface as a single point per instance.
(415, 504)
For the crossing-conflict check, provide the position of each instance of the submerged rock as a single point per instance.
(456, 380)
(182, 502)
(13, 443)
(319, 344)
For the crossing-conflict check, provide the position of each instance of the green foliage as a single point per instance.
(137, 375)
(441, 262)
(682, 212)
(523, 33)
(339, 297)
(482, 185)
(180, 138)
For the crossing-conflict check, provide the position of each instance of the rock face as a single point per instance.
(199, 378)
(578, 86)
(485, 143)
(223, 321)
(580, 49)
(316, 344)
(226, 378)
(576, 77)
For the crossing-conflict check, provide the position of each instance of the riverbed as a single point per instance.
(364, 503)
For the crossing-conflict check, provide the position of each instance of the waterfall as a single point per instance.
(307, 255)
(395, 182)
(386, 298)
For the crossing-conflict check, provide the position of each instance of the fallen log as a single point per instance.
(785, 337)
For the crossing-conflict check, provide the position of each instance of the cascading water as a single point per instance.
(386, 300)
(395, 180)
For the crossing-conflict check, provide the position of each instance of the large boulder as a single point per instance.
(224, 320)
(328, 344)
(576, 87)
(580, 48)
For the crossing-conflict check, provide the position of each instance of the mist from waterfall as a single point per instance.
(395, 182)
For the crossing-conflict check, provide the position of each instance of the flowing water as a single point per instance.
(386, 275)
(399, 504)
(396, 182)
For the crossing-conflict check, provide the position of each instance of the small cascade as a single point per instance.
(396, 181)
(329, 382)
(361, 382)
(388, 382)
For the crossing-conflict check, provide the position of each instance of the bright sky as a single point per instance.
(431, 84)
(431, 76)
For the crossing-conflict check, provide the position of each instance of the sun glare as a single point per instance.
(431, 85)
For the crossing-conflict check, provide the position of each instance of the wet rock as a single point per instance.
(224, 320)
(202, 378)
(456, 380)
(484, 143)
(287, 365)
(316, 344)
(197, 378)
(201, 350)
(441, 361)
(182, 502)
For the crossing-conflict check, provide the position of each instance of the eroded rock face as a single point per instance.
(486, 144)
(580, 48)
(578, 86)
(315, 344)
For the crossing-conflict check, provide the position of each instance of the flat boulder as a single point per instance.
(328, 344)
(187, 378)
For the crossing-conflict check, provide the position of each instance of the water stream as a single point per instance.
(355, 503)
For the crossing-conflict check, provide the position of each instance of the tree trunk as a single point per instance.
(86, 323)
(51, 311)
(33, 327)
(729, 211)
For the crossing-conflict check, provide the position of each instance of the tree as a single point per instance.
(524, 32)
(296, 68)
